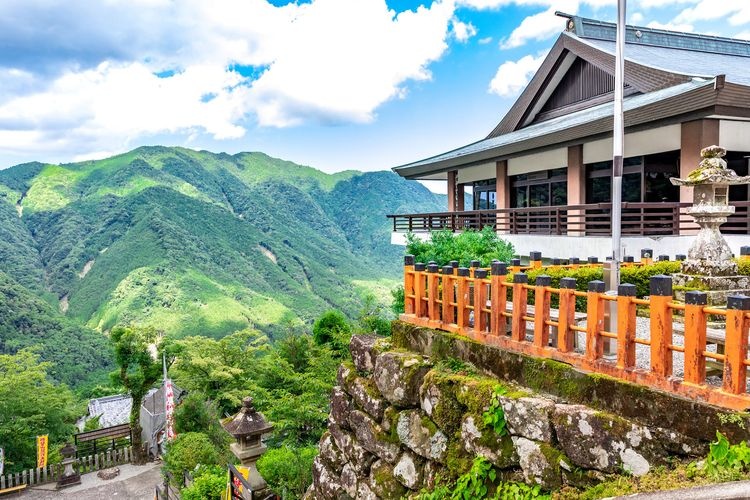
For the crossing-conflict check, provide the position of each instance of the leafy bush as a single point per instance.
(288, 470)
(196, 414)
(398, 299)
(330, 328)
(372, 318)
(187, 451)
(727, 461)
(209, 483)
(445, 246)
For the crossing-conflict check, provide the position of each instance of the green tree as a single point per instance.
(31, 405)
(288, 469)
(372, 317)
(138, 372)
(445, 246)
(187, 451)
(196, 414)
(331, 328)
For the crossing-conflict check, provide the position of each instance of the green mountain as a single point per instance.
(192, 242)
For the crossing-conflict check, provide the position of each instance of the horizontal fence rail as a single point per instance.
(642, 219)
(494, 307)
(53, 472)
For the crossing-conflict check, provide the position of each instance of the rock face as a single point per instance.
(397, 424)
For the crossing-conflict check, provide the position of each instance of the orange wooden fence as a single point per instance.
(474, 302)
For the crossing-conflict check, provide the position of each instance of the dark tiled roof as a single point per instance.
(638, 35)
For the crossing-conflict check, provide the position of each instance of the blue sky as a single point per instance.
(335, 84)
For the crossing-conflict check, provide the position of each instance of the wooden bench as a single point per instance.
(14, 489)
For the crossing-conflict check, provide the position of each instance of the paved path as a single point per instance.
(134, 482)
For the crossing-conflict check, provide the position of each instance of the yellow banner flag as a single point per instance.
(41, 450)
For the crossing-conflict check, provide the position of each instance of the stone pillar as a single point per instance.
(694, 136)
(452, 187)
(502, 190)
(576, 189)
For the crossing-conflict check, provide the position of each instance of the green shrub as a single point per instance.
(288, 470)
(398, 299)
(209, 483)
(187, 451)
(330, 326)
(445, 246)
(196, 414)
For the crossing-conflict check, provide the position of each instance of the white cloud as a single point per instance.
(462, 31)
(743, 35)
(485, 40)
(648, 4)
(737, 12)
(512, 76)
(539, 26)
(636, 18)
(325, 61)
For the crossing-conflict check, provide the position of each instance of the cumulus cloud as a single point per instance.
(685, 27)
(737, 12)
(109, 72)
(512, 76)
(539, 26)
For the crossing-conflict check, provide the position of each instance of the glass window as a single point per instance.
(539, 195)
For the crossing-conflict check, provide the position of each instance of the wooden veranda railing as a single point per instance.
(486, 306)
(642, 219)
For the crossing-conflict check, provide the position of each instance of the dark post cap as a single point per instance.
(593, 260)
(535, 255)
(660, 285)
(408, 260)
(646, 253)
(448, 269)
(597, 286)
(680, 257)
(480, 273)
(741, 302)
(454, 264)
(463, 271)
(556, 262)
(574, 260)
(431, 262)
(499, 269)
(628, 258)
(432, 268)
(419, 266)
(520, 278)
(663, 258)
(626, 290)
(515, 262)
(569, 283)
(495, 260)
(475, 263)
(744, 250)
(696, 298)
(543, 280)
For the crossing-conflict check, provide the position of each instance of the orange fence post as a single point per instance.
(462, 298)
(744, 253)
(408, 284)
(735, 352)
(520, 298)
(626, 310)
(498, 299)
(535, 260)
(594, 320)
(661, 325)
(647, 256)
(541, 310)
(448, 295)
(480, 300)
(433, 285)
(575, 262)
(454, 265)
(567, 311)
(628, 261)
(475, 264)
(695, 337)
(515, 266)
(419, 290)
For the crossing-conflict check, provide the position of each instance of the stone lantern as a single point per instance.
(247, 427)
(70, 476)
(710, 264)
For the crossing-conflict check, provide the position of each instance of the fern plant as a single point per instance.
(494, 417)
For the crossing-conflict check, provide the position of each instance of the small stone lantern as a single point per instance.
(247, 427)
(70, 476)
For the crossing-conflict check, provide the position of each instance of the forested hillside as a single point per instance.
(199, 243)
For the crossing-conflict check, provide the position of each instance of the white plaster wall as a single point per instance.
(477, 172)
(582, 247)
(554, 158)
(734, 135)
(645, 142)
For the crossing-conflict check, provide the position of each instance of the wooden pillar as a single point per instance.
(452, 187)
(502, 191)
(460, 197)
(661, 325)
(694, 136)
(576, 189)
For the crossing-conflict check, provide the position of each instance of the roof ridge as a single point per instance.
(584, 27)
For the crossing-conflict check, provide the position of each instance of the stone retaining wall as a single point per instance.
(399, 420)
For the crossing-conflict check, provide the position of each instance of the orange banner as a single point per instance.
(42, 443)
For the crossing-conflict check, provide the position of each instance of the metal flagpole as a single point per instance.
(618, 140)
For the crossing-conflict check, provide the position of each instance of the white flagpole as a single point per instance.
(618, 140)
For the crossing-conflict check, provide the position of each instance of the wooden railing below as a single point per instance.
(638, 219)
(475, 303)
